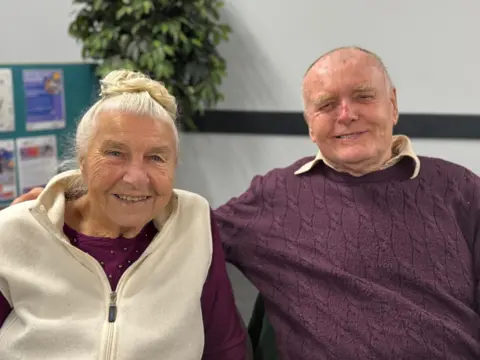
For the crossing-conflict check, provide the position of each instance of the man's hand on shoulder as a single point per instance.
(31, 195)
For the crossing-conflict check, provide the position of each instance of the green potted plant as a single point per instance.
(174, 41)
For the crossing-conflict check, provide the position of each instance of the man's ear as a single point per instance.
(310, 131)
(310, 134)
(393, 100)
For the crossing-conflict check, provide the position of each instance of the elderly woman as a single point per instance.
(111, 262)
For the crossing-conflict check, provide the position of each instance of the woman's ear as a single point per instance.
(80, 164)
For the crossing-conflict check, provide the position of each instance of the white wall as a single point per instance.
(429, 47)
(35, 31)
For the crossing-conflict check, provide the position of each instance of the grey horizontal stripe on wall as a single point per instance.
(438, 126)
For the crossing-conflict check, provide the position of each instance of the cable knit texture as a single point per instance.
(374, 267)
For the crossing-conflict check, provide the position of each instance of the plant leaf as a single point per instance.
(172, 41)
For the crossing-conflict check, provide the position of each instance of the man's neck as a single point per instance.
(362, 168)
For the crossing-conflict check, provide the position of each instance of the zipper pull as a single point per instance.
(112, 309)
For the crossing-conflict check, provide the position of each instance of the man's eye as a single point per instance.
(326, 106)
(156, 158)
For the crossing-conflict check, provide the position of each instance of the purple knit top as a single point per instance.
(374, 267)
(225, 337)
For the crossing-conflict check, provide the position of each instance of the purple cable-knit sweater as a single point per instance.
(374, 267)
(225, 337)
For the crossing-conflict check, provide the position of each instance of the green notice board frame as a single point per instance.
(80, 91)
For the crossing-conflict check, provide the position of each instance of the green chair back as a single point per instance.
(261, 333)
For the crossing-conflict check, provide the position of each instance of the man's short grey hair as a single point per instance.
(377, 58)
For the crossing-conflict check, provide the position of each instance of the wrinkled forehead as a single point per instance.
(134, 131)
(343, 71)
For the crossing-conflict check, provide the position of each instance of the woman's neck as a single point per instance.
(82, 216)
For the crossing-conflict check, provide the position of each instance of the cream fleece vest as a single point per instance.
(63, 307)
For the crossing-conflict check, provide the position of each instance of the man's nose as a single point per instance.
(346, 113)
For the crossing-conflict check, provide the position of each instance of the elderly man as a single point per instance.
(364, 251)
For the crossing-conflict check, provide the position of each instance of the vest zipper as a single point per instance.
(112, 309)
(112, 316)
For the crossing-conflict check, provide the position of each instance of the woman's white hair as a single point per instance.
(128, 92)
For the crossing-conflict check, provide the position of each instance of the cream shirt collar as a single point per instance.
(401, 147)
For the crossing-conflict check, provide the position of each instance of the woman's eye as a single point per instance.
(114, 153)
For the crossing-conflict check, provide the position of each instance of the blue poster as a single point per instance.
(44, 99)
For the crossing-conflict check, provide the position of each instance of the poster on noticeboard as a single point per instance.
(7, 106)
(44, 99)
(37, 161)
(8, 177)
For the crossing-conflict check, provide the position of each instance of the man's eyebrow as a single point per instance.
(322, 99)
(363, 87)
(162, 149)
